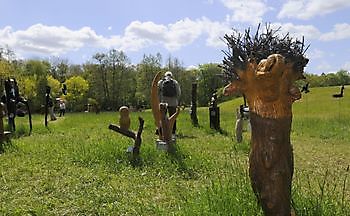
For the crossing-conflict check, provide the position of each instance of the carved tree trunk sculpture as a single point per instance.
(266, 79)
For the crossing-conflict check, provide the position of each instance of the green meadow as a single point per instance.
(77, 166)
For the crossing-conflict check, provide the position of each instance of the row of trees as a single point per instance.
(109, 80)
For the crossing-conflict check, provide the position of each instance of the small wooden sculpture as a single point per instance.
(166, 124)
(136, 136)
(124, 120)
(341, 94)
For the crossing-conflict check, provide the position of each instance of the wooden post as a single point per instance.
(266, 79)
(194, 105)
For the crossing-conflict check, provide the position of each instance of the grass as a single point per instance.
(79, 167)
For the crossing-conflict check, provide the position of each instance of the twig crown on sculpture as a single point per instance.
(243, 48)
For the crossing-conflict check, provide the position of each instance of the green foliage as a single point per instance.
(208, 83)
(342, 77)
(147, 69)
(55, 86)
(77, 87)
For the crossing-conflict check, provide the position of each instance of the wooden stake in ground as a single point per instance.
(264, 67)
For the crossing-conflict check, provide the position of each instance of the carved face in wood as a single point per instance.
(124, 111)
(268, 86)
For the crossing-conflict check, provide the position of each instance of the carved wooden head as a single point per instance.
(124, 111)
(264, 68)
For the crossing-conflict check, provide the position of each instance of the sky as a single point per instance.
(190, 30)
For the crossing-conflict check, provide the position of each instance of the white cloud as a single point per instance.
(306, 9)
(49, 39)
(298, 31)
(109, 28)
(57, 40)
(340, 31)
(250, 11)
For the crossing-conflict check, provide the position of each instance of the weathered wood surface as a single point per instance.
(155, 99)
(136, 136)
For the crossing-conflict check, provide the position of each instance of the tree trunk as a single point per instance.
(271, 163)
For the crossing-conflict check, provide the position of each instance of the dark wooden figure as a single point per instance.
(341, 94)
(214, 113)
(13, 101)
(136, 136)
(194, 117)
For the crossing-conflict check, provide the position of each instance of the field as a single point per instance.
(79, 167)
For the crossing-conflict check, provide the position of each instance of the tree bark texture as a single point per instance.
(271, 163)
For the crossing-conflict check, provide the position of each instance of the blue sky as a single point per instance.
(190, 30)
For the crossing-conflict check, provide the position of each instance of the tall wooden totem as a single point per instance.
(263, 67)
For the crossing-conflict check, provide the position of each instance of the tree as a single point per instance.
(55, 86)
(146, 70)
(102, 78)
(77, 88)
(37, 71)
(209, 81)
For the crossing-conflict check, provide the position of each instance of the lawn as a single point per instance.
(77, 166)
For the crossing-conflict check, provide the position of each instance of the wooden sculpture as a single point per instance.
(166, 123)
(4, 135)
(341, 94)
(124, 120)
(155, 99)
(263, 68)
(163, 123)
(136, 136)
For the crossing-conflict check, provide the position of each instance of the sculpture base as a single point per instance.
(162, 145)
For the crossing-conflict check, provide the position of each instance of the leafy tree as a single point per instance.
(101, 71)
(37, 70)
(208, 83)
(146, 70)
(78, 88)
(55, 86)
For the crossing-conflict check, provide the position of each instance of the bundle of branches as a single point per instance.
(242, 47)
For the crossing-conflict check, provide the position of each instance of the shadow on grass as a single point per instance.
(177, 157)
